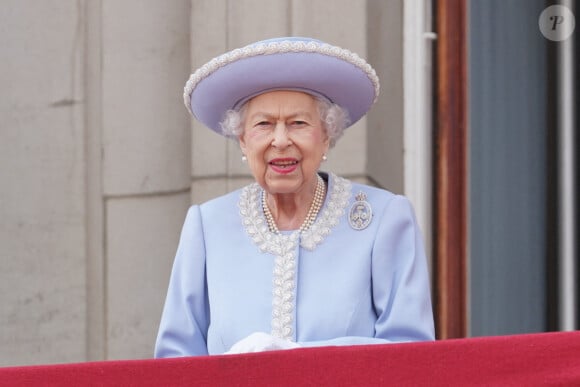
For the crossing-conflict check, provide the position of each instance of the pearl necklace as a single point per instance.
(312, 212)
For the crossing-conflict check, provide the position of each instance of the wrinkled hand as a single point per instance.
(259, 342)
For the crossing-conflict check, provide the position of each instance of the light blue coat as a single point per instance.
(335, 286)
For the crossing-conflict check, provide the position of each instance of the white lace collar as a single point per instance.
(337, 197)
(283, 246)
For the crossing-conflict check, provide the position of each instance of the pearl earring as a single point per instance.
(324, 158)
(244, 158)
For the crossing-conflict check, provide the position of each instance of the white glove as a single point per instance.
(259, 342)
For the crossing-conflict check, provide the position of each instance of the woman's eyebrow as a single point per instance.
(300, 114)
(259, 115)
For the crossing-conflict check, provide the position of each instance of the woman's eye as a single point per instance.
(262, 124)
(299, 123)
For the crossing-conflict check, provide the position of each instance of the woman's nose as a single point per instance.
(281, 138)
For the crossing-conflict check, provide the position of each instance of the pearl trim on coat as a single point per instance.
(284, 245)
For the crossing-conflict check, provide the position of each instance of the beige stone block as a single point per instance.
(209, 150)
(386, 120)
(253, 20)
(142, 237)
(349, 156)
(236, 167)
(42, 289)
(208, 30)
(203, 190)
(342, 22)
(145, 62)
(42, 280)
(235, 183)
(94, 201)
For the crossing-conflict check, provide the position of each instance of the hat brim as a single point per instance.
(351, 83)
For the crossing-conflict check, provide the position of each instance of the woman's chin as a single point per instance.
(283, 185)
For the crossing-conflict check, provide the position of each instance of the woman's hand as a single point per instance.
(259, 342)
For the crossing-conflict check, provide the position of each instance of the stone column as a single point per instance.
(145, 165)
(386, 120)
(42, 238)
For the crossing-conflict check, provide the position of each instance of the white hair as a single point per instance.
(335, 120)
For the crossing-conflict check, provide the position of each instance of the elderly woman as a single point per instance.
(300, 257)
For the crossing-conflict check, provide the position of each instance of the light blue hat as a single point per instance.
(288, 63)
